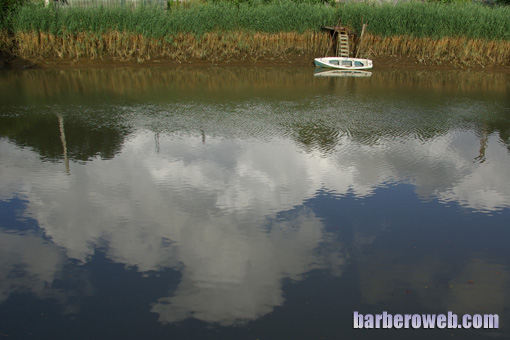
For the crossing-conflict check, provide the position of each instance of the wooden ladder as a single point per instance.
(343, 49)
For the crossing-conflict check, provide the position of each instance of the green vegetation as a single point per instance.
(6, 6)
(196, 18)
(219, 30)
(416, 19)
(434, 20)
(503, 2)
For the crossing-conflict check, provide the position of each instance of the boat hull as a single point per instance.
(343, 63)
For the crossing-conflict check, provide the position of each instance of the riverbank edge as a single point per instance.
(39, 50)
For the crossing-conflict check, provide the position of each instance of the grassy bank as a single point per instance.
(432, 32)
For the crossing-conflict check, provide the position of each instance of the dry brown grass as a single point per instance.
(457, 51)
(225, 46)
(6, 41)
(215, 46)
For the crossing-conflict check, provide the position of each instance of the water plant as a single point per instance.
(221, 30)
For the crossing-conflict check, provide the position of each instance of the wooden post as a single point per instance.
(360, 40)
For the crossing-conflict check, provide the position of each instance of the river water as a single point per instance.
(251, 202)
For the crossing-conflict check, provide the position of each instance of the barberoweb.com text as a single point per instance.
(449, 320)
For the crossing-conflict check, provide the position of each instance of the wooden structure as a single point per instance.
(343, 49)
(345, 42)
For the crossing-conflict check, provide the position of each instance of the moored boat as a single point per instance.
(344, 63)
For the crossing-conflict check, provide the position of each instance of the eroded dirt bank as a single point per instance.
(9, 61)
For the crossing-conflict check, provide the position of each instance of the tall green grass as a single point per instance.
(414, 19)
(432, 19)
(195, 18)
(461, 34)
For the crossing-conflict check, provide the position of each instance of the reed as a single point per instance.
(460, 51)
(213, 46)
(196, 18)
(241, 45)
(430, 19)
(416, 19)
(218, 31)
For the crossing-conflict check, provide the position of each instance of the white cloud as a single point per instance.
(211, 210)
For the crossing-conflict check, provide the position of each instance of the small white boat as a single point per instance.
(343, 63)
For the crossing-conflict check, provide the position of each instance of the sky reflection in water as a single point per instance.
(284, 200)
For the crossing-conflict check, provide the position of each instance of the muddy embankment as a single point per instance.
(29, 50)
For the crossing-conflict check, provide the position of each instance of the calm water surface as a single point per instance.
(251, 203)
